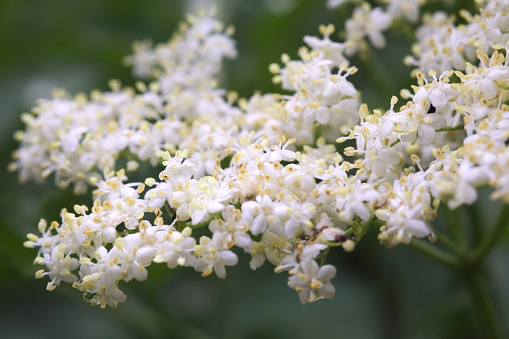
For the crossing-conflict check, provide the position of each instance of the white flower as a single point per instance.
(302, 252)
(325, 225)
(328, 49)
(459, 187)
(313, 282)
(232, 225)
(408, 9)
(296, 216)
(60, 267)
(279, 152)
(356, 199)
(213, 255)
(402, 224)
(175, 248)
(208, 196)
(440, 45)
(366, 22)
(46, 242)
(143, 59)
(272, 247)
(132, 256)
(335, 3)
(99, 281)
(260, 213)
(439, 93)
(178, 169)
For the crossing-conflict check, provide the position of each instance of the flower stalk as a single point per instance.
(468, 265)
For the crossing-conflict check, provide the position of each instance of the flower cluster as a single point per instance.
(256, 174)
(368, 24)
(77, 138)
(443, 46)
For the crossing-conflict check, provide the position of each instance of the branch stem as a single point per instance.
(434, 253)
(446, 241)
(495, 234)
(469, 267)
(454, 223)
(483, 306)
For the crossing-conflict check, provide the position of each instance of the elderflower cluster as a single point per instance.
(77, 138)
(263, 175)
(442, 46)
(368, 24)
(390, 146)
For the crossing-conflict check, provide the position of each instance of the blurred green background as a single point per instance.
(79, 46)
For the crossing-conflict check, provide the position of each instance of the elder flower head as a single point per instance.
(263, 173)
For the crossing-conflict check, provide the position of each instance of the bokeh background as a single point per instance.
(79, 45)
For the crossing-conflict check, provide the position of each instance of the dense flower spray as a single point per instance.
(284, 177)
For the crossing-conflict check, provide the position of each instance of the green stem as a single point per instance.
(317, 132)
(360, 228)
(378, 75)
(485, 247)
(168, 209)
(469, 267)
(403, 27)
(475, 223)
(483, 306)
(444, 240)
(322, 261)
(434, 253)
(455, 228)
(200, 225)
(481, 299)
(444, 129)
(349, 231)
(448, 128)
